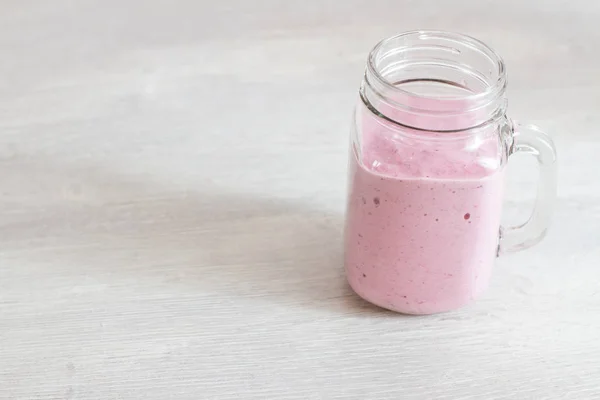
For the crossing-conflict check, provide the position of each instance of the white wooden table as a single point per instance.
(172, 186)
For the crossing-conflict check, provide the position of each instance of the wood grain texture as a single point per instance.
(172, 185)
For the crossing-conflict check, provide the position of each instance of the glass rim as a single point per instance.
(493, 90)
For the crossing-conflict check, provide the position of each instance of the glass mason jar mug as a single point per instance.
(429, 144)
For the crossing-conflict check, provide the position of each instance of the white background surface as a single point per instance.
(172, 181)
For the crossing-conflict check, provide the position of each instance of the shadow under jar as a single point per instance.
(429, 145)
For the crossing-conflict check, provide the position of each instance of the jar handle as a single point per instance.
(530, 139)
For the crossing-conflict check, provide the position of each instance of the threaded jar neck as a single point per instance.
(435, 81)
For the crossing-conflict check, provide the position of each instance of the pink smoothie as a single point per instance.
(423, 219)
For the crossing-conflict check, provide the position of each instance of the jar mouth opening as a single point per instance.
(435, 81)
(431, 49)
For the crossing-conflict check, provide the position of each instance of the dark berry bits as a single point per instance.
(376, 201)
(467, 216)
